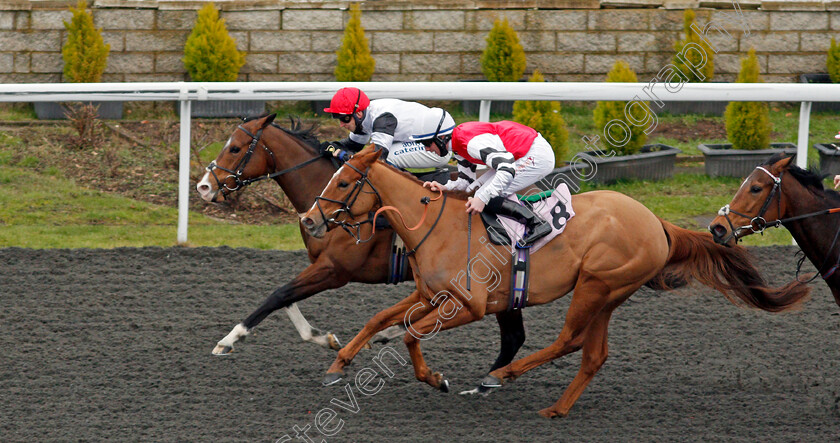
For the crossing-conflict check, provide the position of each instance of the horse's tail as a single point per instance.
(695, 255)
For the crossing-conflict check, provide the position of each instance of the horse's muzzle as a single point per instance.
(313, 228)
(721, 235)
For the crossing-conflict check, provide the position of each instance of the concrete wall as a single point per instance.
(416, 41)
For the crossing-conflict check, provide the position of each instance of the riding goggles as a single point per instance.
(343, 118)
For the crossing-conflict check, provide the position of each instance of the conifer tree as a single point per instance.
(832, 62)
(691, 55)
(354, 63)
(748, 123)
(503, 59)
(544, 116)
(606, 112)
(85, 53)
(210, 54)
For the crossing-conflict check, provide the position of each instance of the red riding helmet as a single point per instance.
(348, 101)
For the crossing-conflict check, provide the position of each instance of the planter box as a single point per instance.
(54, 110)
(723, 161)
(820, 106)
(501, 107)
(829, 157)
(655, 162)
(569, 174)
(225, 108)
(682, 108)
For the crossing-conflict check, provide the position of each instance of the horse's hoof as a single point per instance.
(551, 413)
(484, 391)
(331, 378)
(367, 346)
(333, 342)
(444, 386)
(490, 382)
(222, 350)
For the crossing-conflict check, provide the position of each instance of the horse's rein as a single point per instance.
(425, 201)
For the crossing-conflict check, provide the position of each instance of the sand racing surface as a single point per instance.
(115, 344)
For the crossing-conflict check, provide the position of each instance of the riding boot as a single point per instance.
(535, 227)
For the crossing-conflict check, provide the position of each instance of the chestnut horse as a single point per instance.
(611, 247)
(779, 193)
(259, 148)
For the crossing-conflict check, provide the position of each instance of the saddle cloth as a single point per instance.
(556, 210)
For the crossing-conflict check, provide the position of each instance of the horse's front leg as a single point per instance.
(426, 328)
(380, 321)
(317, 277)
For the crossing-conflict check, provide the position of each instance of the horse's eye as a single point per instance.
(343, 184)
(234, 149)
(755, 189)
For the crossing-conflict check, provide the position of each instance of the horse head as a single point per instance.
(348, 196)
(759, 203)
(244, 156)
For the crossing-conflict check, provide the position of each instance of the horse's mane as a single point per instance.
(460, 195)
(295, 129)
(810, 178)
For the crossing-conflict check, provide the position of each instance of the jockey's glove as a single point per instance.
(330, 150)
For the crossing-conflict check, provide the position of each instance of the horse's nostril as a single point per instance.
(307, 221)
(718, 230)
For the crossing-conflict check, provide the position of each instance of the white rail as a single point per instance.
(186, 92)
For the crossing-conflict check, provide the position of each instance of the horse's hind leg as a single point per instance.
(594, 356)
(590, 297)
(317, 277)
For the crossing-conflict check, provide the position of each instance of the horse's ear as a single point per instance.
(376, 154)
(268, 119)
(785, 162)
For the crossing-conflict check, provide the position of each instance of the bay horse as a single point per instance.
(259, 148)
(779, 193)
(610, 248)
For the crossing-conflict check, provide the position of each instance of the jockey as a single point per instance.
(388, 124)
(518, 157)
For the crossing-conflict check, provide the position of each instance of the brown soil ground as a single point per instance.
(115, 344)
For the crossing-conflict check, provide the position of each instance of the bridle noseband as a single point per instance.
(348, 202)
(238, 170)
(354, 229)
(757, 223)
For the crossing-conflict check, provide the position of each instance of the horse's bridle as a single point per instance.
(757, 224)
(237, 171)
(347, 203)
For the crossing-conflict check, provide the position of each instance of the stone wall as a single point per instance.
(296, 40)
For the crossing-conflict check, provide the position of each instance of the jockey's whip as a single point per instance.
(469, 239)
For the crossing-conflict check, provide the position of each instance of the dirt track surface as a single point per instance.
(115, 344)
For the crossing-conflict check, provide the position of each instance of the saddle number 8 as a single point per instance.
(559, 216)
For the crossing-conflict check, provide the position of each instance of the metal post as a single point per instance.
(484, 111)
(184, 168)
(802, 140)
